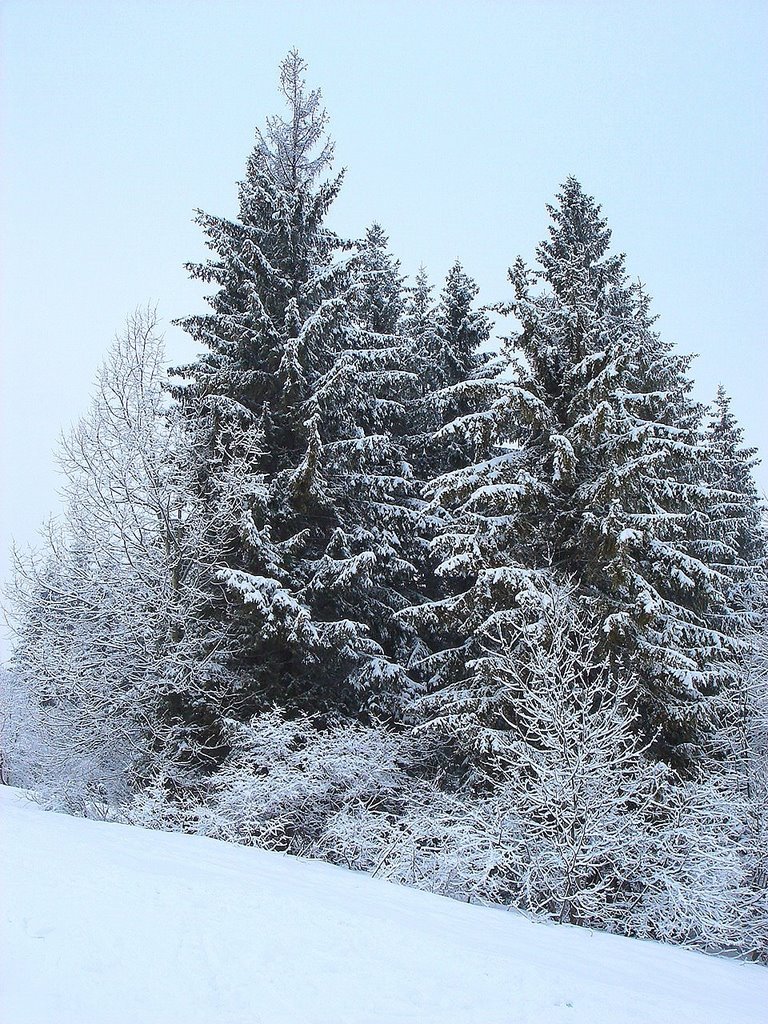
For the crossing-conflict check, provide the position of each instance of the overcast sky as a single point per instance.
(456, 121)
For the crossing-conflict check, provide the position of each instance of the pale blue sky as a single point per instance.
(456, 121)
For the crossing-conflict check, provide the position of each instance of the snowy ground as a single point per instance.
(104, 924)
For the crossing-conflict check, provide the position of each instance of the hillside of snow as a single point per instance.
(112, 924)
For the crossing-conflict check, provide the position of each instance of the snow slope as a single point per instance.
(104, 924)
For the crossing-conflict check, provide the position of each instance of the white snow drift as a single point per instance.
(105, 924)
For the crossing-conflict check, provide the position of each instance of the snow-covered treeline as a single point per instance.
(355, 585)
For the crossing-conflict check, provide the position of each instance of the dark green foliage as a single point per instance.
(304, 382)
(741, 510)
(614, 489)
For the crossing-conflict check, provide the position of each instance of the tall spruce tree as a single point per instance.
(308, 573)
(485, 597)
(462, 452)
(362, 404)
(615, 488)
(741, 511)
(446, 342)
(589, 465)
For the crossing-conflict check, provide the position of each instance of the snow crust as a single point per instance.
(112, 924)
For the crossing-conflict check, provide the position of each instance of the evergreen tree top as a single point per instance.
(286, 146)
(579, 242)
(723, 424)
(419, 312)
(735, 459)
(376, 237)
(381, 296)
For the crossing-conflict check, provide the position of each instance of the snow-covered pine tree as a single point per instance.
(362, 406)
(738, 515)
(737, 768)
(309, 572)
(446, 342)
(381, 299)
(613, 485)
(731, 463)
(467, 462)
(452, 353)
(753, 767)
(419, 315)
(587, 461)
